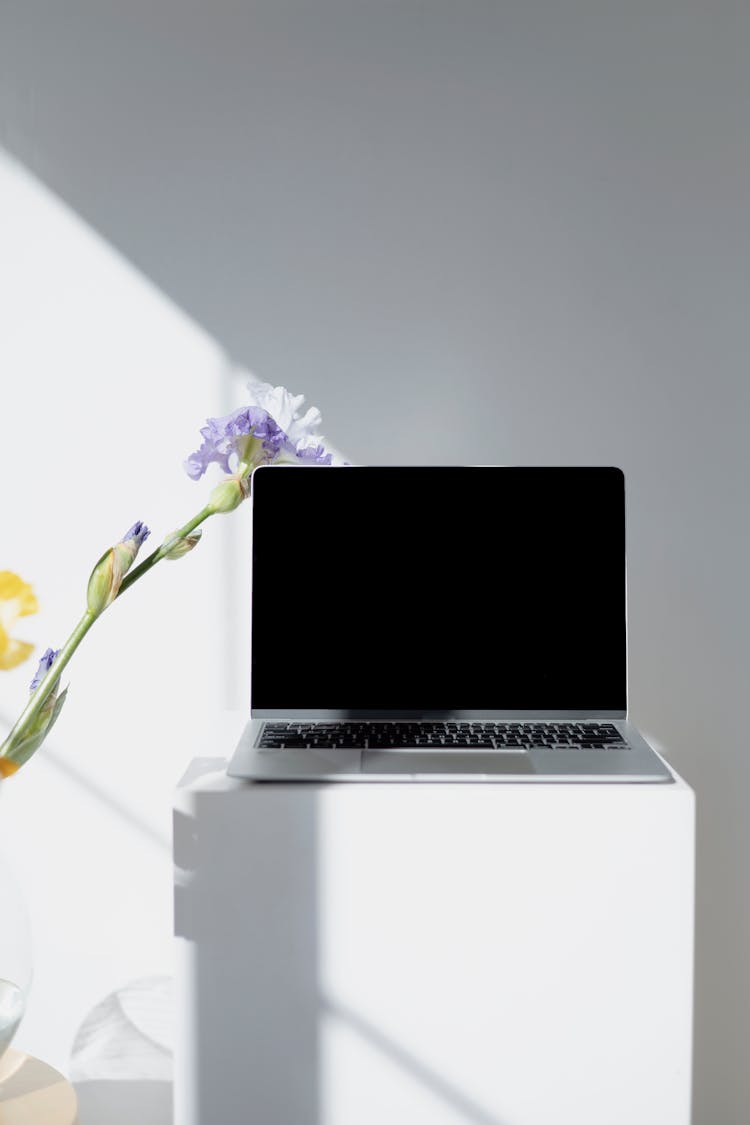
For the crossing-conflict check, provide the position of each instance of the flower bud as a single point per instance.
(45, 663)
(104, 582)
(181, 546)
(107, 575)
(130, 545)
(19, 750)
(228, 494)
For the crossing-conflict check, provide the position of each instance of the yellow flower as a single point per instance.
(17, 599)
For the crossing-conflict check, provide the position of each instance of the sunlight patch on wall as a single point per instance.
(105, 384)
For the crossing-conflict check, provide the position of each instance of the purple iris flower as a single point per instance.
(46, 662)
(271, 428)
(222, 438)
(139, 532)
(316, 455)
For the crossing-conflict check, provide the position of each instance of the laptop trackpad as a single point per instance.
(422, 762)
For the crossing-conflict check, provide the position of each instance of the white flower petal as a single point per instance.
(306, 427)
(280, 404)
(285, 409)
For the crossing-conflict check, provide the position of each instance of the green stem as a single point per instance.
(161, 551)
(46, 686)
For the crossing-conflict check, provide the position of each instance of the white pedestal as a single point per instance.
(433, 954)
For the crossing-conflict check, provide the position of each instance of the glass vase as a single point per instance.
(15, 955)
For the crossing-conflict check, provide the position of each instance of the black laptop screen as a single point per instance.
(438, 589)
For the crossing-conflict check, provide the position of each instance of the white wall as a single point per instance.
(105, 386)
(471, 232)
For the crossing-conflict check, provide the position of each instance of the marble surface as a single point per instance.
(34, 1093)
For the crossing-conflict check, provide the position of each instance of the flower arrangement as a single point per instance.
(270, 430)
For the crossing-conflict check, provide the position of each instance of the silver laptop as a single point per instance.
(440, 624)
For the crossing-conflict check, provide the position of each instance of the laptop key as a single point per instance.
(497, 735)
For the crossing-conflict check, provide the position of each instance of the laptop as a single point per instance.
(440, 624)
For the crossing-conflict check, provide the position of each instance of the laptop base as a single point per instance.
(636, 762)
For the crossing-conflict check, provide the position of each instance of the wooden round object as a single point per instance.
(33, 1093)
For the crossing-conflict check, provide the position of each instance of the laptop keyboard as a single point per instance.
(489, 735)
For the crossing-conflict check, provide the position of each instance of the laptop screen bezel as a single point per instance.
(525, 714)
